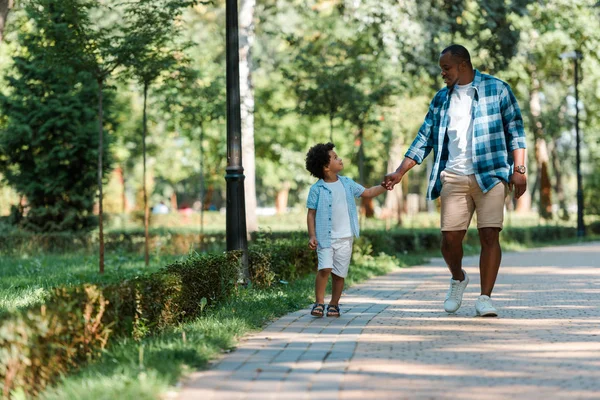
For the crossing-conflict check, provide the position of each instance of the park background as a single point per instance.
(359, 73)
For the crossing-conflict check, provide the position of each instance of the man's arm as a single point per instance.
(390, 180)
(373, 191)
(418, 150)
(312, 235)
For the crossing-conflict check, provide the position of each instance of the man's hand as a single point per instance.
(390, 180)
(519, 183)
(312, 243)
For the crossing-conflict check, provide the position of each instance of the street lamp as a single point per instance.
(576, 56)
(236, 205)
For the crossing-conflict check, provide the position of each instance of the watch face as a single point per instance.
(520, 169)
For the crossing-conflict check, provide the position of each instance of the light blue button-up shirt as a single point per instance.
(320, 199)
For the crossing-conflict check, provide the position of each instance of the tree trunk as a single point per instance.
(202, 191)
(5, 6)
(246, 22)
(144, 188)
(100, 168)
(541, 149)
(120, 173)
(393, 199)
(281, 200)
(560, 190)
(206, 201)
(366, 203)
(523, 203)
(174, 204)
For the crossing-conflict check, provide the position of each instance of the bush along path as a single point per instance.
(153, 327)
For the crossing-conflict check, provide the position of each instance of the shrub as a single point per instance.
(271, 260)
(75, 323)
(41, 343)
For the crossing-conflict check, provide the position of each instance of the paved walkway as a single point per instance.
(395, 341)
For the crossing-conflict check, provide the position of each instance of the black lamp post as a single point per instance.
(576, 56)
(236, 205)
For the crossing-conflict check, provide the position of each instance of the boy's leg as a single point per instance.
(342, 253)
(321, 284)
(337, 286)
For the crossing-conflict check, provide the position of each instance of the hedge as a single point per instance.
(76, 323)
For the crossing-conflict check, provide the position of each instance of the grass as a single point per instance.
(26, 279)
(150, 368)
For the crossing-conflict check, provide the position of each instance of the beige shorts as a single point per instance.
(337, 257)
(461, 196)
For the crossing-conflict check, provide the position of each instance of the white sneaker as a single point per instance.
(455, 294)
(484, 307)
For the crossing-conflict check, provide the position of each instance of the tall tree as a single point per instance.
(246, 40)
(149, 50)
(45, 146)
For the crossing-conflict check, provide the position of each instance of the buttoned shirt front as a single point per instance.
(497, 132)
(320, 199)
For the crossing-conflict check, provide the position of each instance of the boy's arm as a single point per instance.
(310, 222)
(373, 191)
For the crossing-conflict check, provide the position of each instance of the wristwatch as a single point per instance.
(520, 169)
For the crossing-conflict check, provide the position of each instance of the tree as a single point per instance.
(45, 146)
(246, 41)
(192, 102)
(148, 51)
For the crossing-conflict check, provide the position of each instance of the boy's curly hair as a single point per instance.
(317, 158)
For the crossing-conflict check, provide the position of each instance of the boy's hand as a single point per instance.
(312, 243)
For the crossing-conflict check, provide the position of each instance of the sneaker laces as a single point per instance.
(453, 293)
(486, 301)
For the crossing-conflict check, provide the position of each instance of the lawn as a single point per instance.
(24, 280)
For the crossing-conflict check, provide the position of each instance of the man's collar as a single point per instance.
(475, 83)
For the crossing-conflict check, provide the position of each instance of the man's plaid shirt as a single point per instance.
(497, 132)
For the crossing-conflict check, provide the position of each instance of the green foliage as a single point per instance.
(74, 324)
(39, 344)
(124, 241)
(47, 146)
(273, 259)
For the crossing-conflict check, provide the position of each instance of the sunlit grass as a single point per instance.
(26, 279)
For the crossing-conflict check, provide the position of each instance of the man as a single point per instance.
(475, 129)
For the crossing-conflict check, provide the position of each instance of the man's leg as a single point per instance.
(452, 250)
(490, 217)
(490, 258)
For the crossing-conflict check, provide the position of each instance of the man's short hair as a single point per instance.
(459, 52)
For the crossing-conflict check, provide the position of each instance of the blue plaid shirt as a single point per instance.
(497, 132)
(320, 199)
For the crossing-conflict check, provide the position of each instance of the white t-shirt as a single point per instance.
(460, 131)
(340, 218)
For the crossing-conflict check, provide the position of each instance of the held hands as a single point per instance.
(390, 180)
(312, 243)
(519, 183)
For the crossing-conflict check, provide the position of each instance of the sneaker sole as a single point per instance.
(487, 314)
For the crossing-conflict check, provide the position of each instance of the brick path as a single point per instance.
(395, 341)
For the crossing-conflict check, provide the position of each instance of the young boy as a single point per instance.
(332, 222)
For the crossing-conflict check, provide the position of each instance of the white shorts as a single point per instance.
(337, 257)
